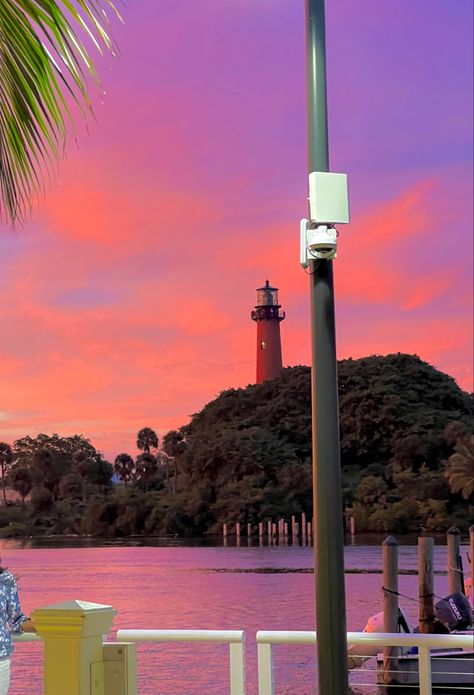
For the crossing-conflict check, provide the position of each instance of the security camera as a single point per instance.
(317, 242)
(328, 205)
(322, 241)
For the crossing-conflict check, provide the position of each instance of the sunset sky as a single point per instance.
(126, 301)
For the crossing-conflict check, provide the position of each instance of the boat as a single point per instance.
(452, 669)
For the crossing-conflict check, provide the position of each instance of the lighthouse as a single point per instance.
(268, 315)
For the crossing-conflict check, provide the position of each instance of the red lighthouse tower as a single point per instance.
(267, 314)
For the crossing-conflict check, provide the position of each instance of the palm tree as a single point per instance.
(459, 468)
(21, 481)
(81, 462)
(6, 458)
(47, 470)
(124, 467)
(174, 445)
(147, 439)
(43, 59)
(146, 467)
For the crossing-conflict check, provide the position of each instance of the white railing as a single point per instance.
(27, 637)
(424, 643)
(234, 638)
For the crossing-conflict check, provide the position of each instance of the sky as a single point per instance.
(125, 302)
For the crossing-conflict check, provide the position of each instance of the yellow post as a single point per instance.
(72, 633)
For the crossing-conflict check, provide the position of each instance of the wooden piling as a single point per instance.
(471, 558)
(224, 531)
(390, 608)
(274, 532)
(309, 534)
(425, 583)
(260, 529)
(293, 522)
(454, 565)
(303, 528)
(269, 531)
(352, 525)
(237, 533)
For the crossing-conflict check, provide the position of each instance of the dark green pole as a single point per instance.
(327, 489)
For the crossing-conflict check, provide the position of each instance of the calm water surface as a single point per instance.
(182, 587)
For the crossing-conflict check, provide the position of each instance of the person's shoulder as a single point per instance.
(7, 579)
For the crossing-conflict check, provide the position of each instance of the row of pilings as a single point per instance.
(280, 532)
(391, 676)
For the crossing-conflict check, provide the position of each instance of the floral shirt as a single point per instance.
(11, 617)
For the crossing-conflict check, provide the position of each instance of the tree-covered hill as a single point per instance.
(255, 443)
(406, 455)
(396, 405)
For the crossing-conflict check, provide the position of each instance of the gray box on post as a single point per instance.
(120, 668)
(328, 198)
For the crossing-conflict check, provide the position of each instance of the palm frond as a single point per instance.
(43, 57)
(459, 468)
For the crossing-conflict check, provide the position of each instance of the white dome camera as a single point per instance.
(328, 205)
(322, 241)
(317, 241)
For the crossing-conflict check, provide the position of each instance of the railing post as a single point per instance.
(424, 670)
(237, 667)
(265, 670)
(73, 652)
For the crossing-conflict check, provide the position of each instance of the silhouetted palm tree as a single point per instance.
(81, 463)
(124, 467)
(174, 445)
(21, 481)
(47, 470)
(44, 58)
(147, 439)
(146, 467)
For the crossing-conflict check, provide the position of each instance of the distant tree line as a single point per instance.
(406, 456)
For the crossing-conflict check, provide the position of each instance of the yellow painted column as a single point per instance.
(72, 633)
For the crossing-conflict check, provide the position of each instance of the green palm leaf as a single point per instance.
(44, 56)
(459, 468)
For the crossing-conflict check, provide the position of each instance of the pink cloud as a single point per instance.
(126, 303)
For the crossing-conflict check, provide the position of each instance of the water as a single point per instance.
(201, 588)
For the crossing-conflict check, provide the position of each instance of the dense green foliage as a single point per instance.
(406, 455)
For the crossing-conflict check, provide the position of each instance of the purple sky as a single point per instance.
(126, 301)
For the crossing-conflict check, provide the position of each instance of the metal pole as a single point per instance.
(327, 492)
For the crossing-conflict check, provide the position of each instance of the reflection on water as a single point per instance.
(179, 588)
